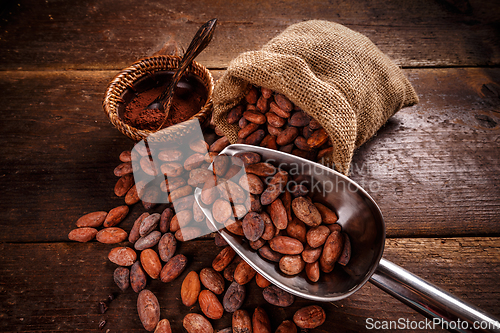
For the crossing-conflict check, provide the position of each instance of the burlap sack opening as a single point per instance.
(333, 73)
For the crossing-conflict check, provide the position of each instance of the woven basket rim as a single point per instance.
(143, 67)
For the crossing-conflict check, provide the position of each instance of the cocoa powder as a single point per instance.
(189, 97)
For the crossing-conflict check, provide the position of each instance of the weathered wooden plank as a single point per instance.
(56, 287)
(110, 34)
(433, 169)
(438, 161)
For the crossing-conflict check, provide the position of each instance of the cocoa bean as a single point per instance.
(313, 271)
(309, 317)
(151, 263)
(283, 102)
(173, 268)
(181, 219)
(172, 183)
(247, 130)
(261, 169)
(292, 264)
(225, 256)
(274, 131)
(234, 115)
(248, 157)
(274, 120)
(267, 253)
(241, 322)
(274, 188)
(170, 155)
(220, 165)
(261, 281)
(232, 192)
(269, 229)
(180, 193)
(199, 176)
(318, 138)
(194, 161)
(209, 192)
(255, 138)
(278, 297)
(148, 309)
(84, 234)
(235, 227)
(242, 122)
(286, 326)
(263, 104)
(234, 297)
(299, 119)
(243, 273)
(287, 136)
(317, 236)
(257, 244)
(111, 235)
(278, 214)
(210, 305)
(221, 211)
(196, 323)
(219, 145)
(286, 245)
(132, 196)
(134, 232)
(148, 166)
(138, 278)
(311, 254)
(327, 215)
(126, 156)
(199, 146)
(184, 203)
(149, 224)
(165, 218)
(297, 229)
(147, 241)
(260, 321)
(306, 211)
(298, 190)
(273, 107)
(167, 246)
(187, 233)
(253, 226)
(212, 280)
(239, 211)
(254, 117)
(93, 220)
(267, 93)
(190, 289)
(163, 327)
(252, 96)
(121, 276)
(122, 256)
(115, 216)
(172, 169)
(331, 251)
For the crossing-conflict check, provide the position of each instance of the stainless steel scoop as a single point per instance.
(362, 220)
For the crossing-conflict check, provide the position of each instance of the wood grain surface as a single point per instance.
(110, 34)
(62, 294)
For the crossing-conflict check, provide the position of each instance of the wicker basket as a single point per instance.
(144, 67)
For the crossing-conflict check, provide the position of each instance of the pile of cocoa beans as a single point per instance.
(152, 249)
(276, 215)
(269, 119)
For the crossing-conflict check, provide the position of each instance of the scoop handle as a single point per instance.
(433, 302)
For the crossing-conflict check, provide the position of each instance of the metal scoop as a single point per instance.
(362, 220)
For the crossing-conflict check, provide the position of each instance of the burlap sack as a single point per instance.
(334, 74)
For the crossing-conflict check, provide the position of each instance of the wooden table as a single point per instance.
(433, 168)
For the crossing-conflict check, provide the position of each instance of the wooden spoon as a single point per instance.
(200, 41)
